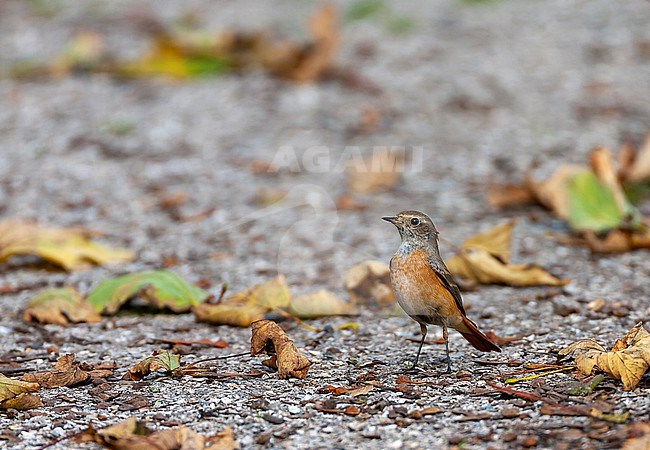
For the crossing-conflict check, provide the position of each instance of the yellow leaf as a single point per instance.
(484, 258)
(628, 360)
(227, 314)
(320, 304)
(69, 248)
(271, 294)
(22, 401)
(245, 307)
(268, 337)
(11, 387)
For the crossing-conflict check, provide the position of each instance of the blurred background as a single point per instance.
(219, 135)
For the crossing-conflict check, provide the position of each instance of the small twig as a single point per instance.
(537, 375)
(217, 358)
(287, 315)
(591, 412)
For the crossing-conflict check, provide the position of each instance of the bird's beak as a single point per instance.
(391, 219)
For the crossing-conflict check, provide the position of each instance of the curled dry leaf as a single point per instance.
(16, 394)
(368, 283)
(131, 434)
(267, 337)
(66, 372)
(485, 257)
(159, 288)
(321, 303)
(159, 360)
(627, 361)
(637, 168)
(68, 248)
(245, 307)
(379, 171)
(60, 306)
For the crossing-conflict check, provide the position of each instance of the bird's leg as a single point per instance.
(445, 336)
(423, 329)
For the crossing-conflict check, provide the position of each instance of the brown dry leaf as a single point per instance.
(69, 248)
(321, 303)
(638, 168)
(308, 63)
(639, 437)
(368, 283)
(485, 257)
(267, 337)
(159, 360)
(380, 171)
(628, 360)
(15, 394)
(66, 372)
(352, 392)
(619, 241)
(60, 306)
(131, 434)
(509, 195)
(245, 307)
(22, 401)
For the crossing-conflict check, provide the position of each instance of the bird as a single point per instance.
(424, 287)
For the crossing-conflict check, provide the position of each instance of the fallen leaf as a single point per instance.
(368, 283)
(628, 360)
(159, 360)
(509, 195)
(553, 192)
(419, 413)
(380, 171)
(66, 372)
(233, 315)
(485, 257)
(159, 288)
(619, 241)
(131, 434)
(60, 306)
(11, 389)
(22, 402)
(68, 248)
(637, 169)
(310, 62)
(352, 392)
(321, 303)
(245, 307)
(267, 337)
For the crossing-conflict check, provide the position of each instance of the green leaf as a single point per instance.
(160, 288)
(592, 205)
(160, 360)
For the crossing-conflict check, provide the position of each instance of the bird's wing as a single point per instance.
(443, 274)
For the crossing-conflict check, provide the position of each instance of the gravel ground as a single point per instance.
(478, 90)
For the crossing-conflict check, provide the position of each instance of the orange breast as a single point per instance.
(419, 290)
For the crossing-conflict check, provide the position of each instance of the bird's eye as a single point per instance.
(415, 221)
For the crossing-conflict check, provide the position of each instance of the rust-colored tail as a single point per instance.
(478, 340)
